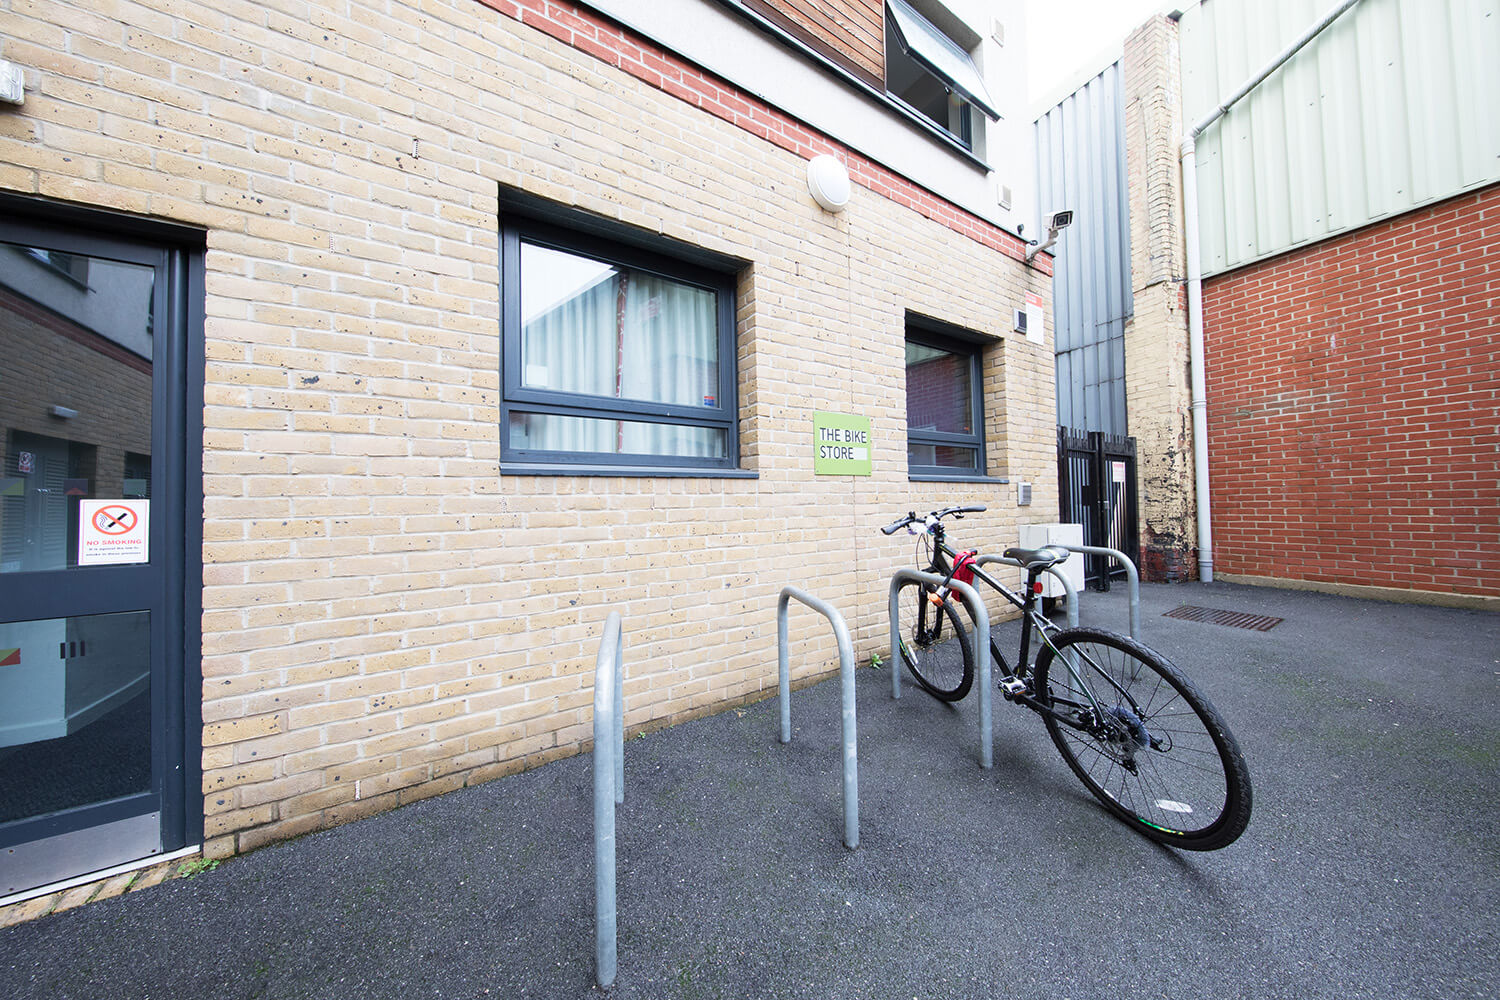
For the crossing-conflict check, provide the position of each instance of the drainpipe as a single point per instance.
(1195, 357)
(1195, 285)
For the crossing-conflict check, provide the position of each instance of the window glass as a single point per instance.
(75, 712)
(591, 327)
(932, 74)
(75, 415)
(943, 411)
(947, 457)
(613, 356)
(554, 432)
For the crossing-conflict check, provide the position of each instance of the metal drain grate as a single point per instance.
(1234, 619)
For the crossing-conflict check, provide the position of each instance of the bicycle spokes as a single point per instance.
(1142, 739)
(934, 644)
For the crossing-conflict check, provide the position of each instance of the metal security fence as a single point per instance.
(1096, 475)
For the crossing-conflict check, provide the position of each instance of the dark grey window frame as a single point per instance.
(945, 337)
(555, 227)
(915, 47)
(951, 143)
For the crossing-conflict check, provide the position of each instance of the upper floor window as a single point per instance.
(932, 74)
(944, 409)
(613, 357)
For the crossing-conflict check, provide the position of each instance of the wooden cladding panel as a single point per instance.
(850, 32)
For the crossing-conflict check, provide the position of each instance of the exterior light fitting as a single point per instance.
(828, 182)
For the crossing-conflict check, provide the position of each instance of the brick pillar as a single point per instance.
(1158, 396)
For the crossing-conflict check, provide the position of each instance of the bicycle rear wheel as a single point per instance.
(1147, 744)
(935, 646)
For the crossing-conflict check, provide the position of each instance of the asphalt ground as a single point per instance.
(1371, 867)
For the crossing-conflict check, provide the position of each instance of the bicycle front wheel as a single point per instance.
(935, 646)
(1143, 740)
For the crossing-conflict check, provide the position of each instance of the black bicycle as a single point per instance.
(1136, 731)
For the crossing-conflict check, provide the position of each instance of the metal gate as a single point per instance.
(1097, 489)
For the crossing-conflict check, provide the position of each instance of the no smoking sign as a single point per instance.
(113, 531)
(115, 519)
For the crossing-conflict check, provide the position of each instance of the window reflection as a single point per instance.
(75, 712)
(75, 416)
(594, 328)
(939, 390)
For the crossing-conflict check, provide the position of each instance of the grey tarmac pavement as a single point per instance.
(1371, 867)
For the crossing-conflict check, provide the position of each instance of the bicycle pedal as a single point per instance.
(1012, 685)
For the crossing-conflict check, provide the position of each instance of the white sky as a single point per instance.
(1066, 35)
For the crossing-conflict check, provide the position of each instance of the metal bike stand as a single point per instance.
(1072, 595)
(846, 682)
(1132, 577)
(609, 789)
(981, 619)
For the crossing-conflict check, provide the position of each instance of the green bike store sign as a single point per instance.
(841, 444)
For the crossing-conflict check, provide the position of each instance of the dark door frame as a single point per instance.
(177, 255)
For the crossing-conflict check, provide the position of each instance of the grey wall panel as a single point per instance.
(1395, 105)
(1081, 166)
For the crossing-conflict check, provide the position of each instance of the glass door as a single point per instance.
(92, 553)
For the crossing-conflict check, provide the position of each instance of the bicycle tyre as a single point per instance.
(935, 646)
(1181, 779)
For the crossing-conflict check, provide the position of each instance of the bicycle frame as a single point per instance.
(1174, 771)
(942, 563)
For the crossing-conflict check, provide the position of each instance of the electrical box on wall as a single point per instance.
(1023, 494)
(1034, 536)
(1020, 321)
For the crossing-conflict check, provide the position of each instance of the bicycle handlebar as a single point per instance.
(937, 515)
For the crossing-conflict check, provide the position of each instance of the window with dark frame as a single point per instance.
(932, 74)
(614, 358)
(944, 408)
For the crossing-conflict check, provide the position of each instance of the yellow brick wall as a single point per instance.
(1159, 396)
(386, 616)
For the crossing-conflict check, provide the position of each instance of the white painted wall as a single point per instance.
(723, 42)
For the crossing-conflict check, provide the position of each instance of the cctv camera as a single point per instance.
(1056, 222)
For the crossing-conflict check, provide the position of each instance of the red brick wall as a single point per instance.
(1354, 406)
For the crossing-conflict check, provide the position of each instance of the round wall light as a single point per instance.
(828, 182)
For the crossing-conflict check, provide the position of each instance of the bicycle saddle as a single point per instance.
(1037, 560)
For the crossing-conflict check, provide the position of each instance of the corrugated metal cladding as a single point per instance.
(1081, 166)
(1395, 105)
